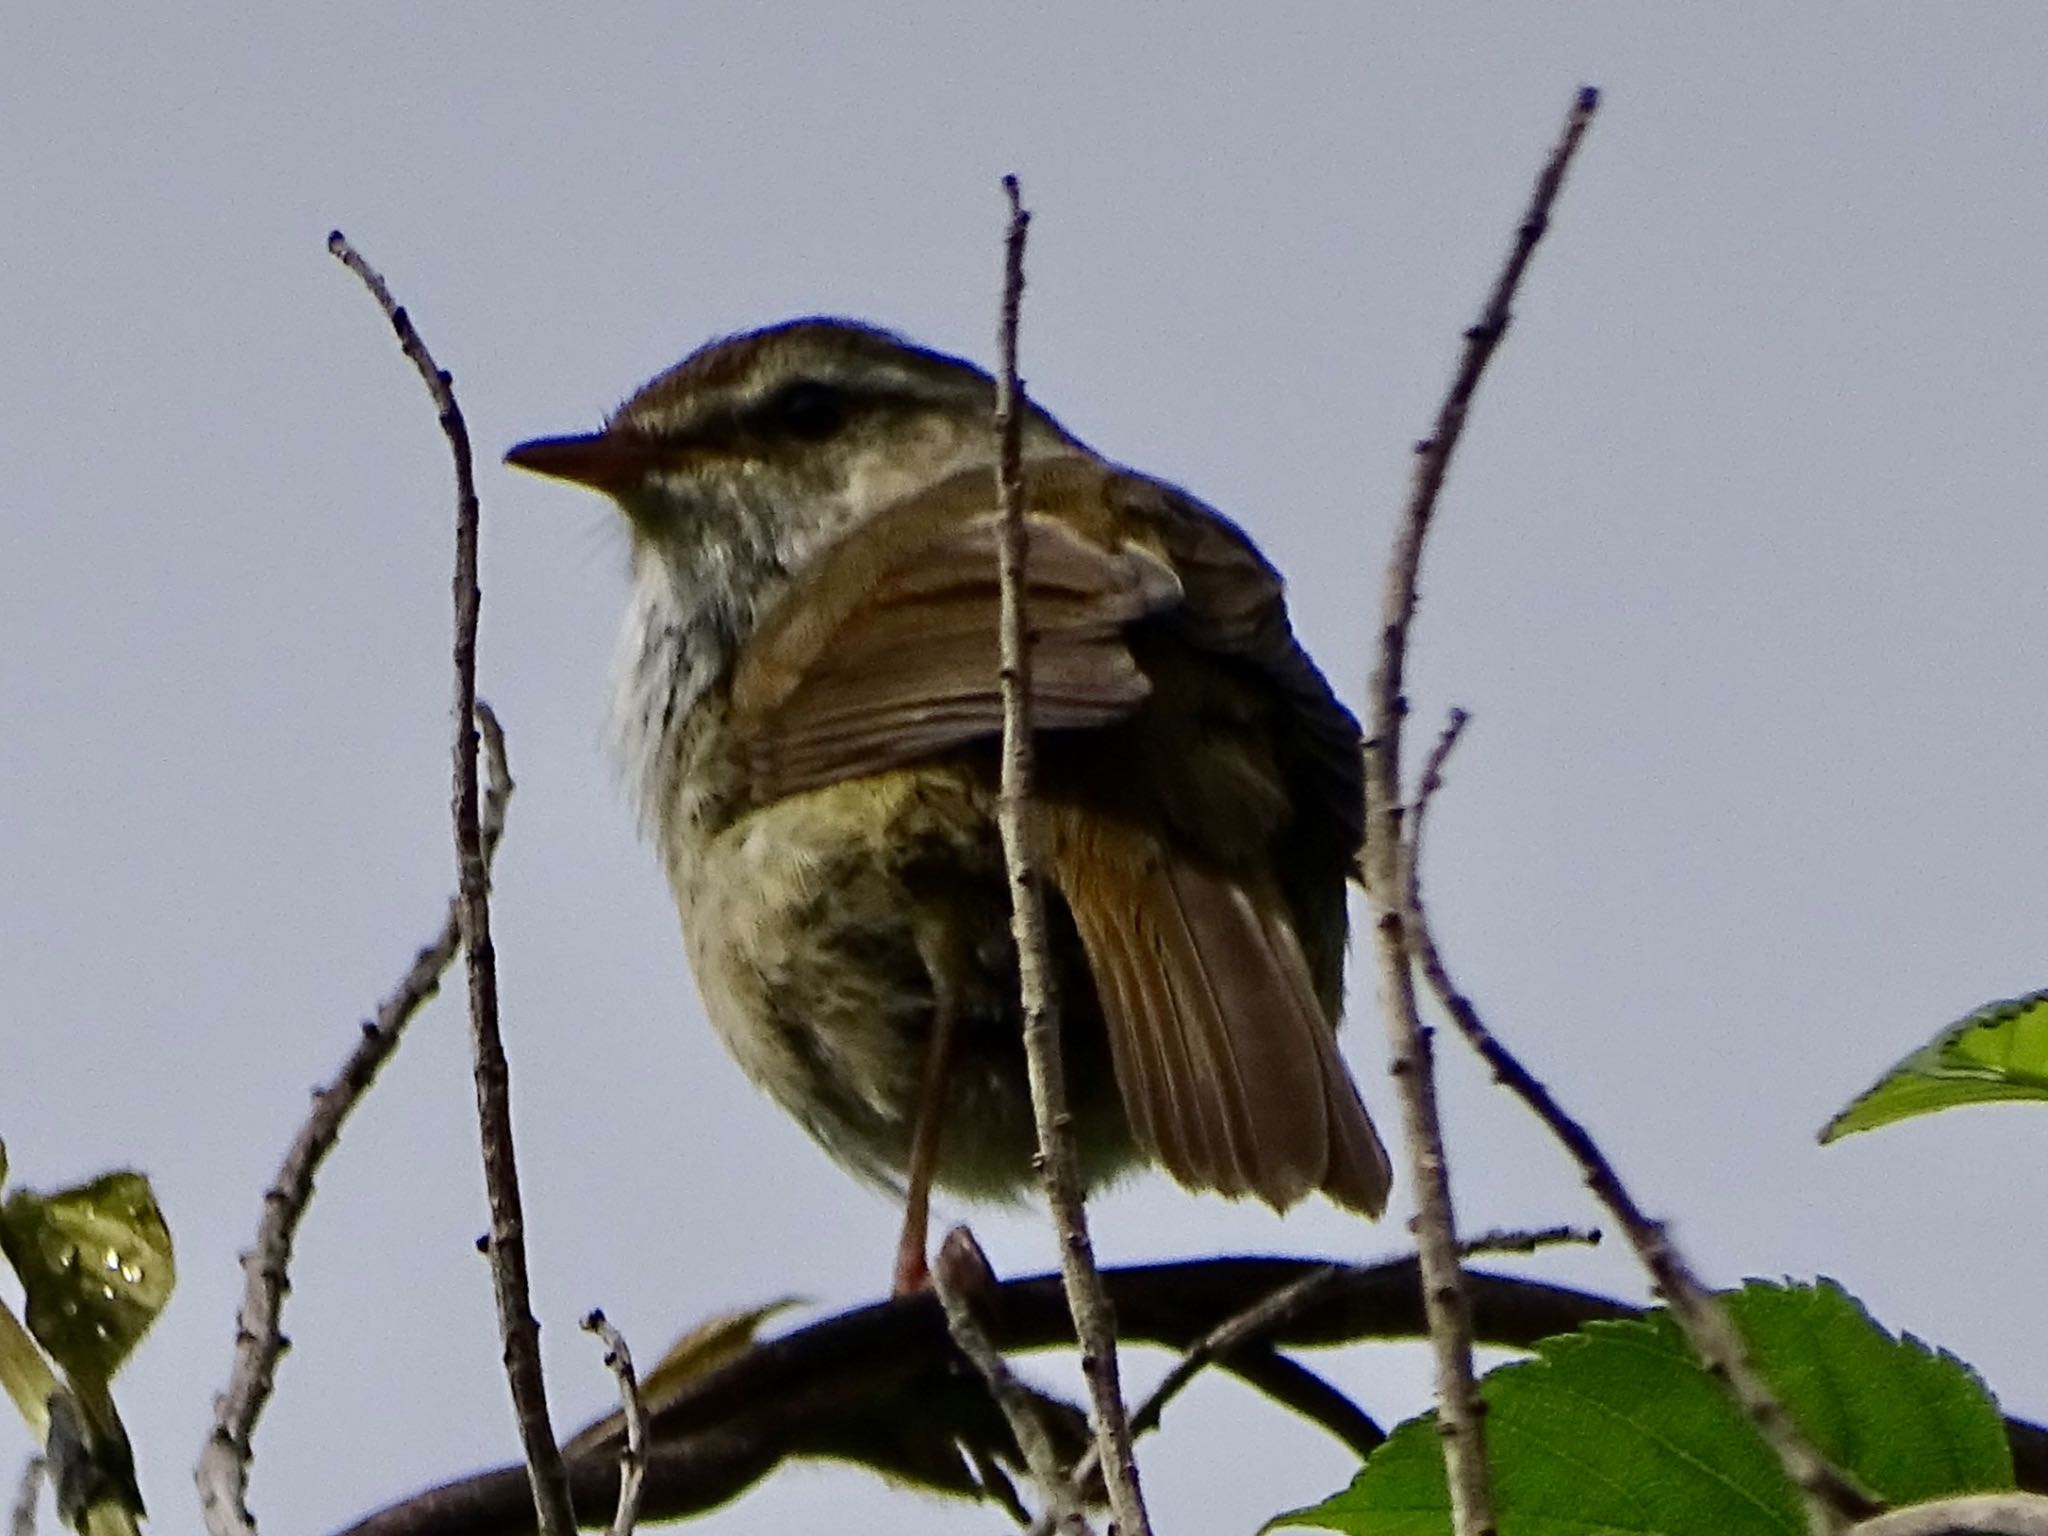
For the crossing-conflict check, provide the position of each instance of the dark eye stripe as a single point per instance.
(806, 409)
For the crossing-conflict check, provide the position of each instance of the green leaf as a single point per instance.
(96, 1269)
(1616, 1429)
(1998, 1052)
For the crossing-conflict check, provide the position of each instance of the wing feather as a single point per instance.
(885, 652)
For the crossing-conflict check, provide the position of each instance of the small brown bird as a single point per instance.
(807, 708)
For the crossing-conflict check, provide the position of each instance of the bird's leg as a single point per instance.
(912, 1275)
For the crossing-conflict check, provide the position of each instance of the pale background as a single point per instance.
(1740, 571)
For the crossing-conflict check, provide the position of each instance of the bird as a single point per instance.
(806, 709)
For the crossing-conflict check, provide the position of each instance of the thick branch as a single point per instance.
(880, 1384)
(884, 1385)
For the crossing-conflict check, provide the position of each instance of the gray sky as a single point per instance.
(1739, 572)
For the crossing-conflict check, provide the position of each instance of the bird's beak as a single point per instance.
(605, 461)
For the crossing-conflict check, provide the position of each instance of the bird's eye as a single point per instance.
(809, 410)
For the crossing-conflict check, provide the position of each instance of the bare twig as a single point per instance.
(1252, 1324)
(1975, 1514)
(1513, 1240)
(1093, 1320)
(516, 1323)
(1832, 1499)
(22, 1519)
(1387, 880)
(960, 1270)
(223, 1470)
(1433, 778)
(633, 1457)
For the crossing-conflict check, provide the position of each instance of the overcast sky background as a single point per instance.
(1740, 571)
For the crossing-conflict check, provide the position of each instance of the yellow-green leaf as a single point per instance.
(96, 1268)
(1998, 1052)
(25, 1375)
(722, 1337)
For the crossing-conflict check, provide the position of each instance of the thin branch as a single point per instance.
(1433, 778)
(223, 1470)
(1832, 1498)
(22, 1519)
(1250, 1326)
(1514, 1240)
(961, 1271)
(633, 1457)
(1433, 454)
(1093, 1319)
(1386, 861)
(1975, 1514)
(516, 1325)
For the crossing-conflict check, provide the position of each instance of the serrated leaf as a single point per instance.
(96, 1268)
(1998, 1052)
(1616, 1429)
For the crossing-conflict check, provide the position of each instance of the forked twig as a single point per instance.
(633, 1454)
(516, 1325)
(961, 1268)
(223, 1470)
(1094, 1323)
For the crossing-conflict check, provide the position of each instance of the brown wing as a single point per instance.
(1236, 607)
(1193, 905)
(886, 652)
(1202, 747)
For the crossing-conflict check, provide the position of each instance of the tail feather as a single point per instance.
(1225, 1058)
